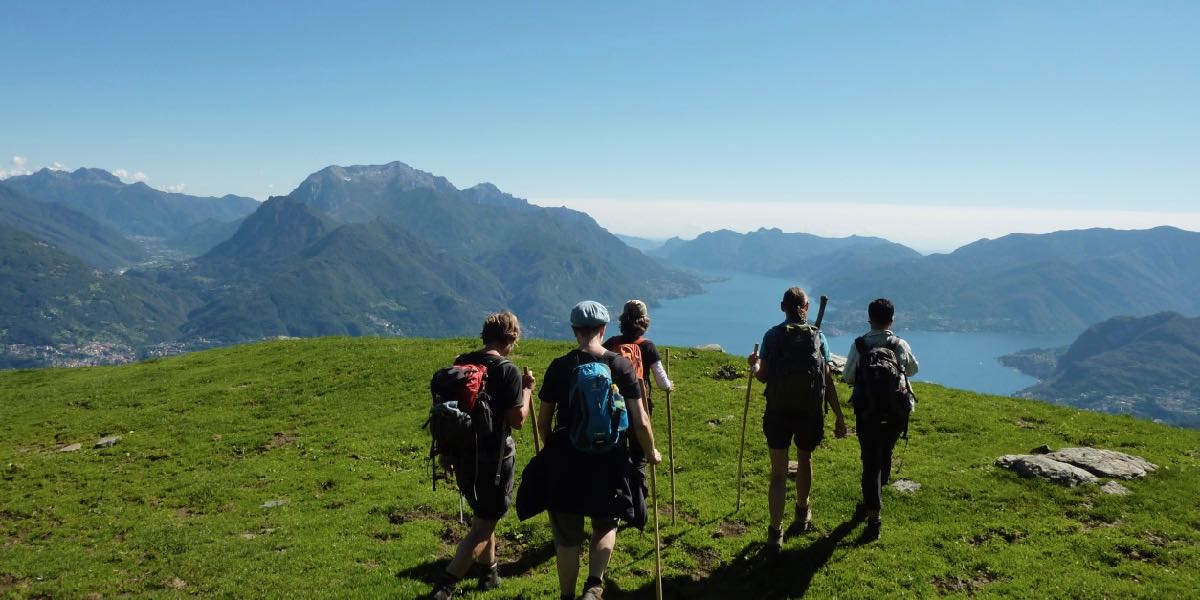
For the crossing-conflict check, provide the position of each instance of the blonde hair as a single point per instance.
(501, 327)
(635, 319)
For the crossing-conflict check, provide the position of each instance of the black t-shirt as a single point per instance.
(503, 385)
(649, 350)
(557, 382)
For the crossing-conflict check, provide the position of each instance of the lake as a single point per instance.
(737, 311)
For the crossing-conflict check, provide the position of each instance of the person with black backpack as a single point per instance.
(590, 400)
(481, 452)
(794, 364)
(643, 353)
(878, 365)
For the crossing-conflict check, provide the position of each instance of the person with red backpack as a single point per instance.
(631, 343)
(483, 466)
(878, 365)
(794, 363)
(590, 400)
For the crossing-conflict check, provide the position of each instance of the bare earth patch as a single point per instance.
(980, 579)
(730, 529)
(277, 441)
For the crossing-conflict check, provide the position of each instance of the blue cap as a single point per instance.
(589, 313)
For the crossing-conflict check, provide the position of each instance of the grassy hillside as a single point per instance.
(183, 503)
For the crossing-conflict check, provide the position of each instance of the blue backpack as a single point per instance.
(597, 411)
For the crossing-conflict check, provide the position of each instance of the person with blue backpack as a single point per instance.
(591, 402)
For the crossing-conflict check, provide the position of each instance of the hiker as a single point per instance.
(878, 430)
(794, 364)
(634, 321)
(588, 467)
(486, 485)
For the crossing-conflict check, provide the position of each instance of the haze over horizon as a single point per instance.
(931, 126)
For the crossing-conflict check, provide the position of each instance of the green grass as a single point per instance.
(332, 426)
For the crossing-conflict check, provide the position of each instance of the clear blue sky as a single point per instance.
(1075, 106)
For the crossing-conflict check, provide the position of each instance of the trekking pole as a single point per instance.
(657, 543)
(537, 449)
(670, 434)
(460, 509)
(742, 448)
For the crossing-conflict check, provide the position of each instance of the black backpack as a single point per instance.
(881, 390)
(461, 422)
(796, 377)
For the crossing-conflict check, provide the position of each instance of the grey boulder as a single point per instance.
(1037, 465)
(1105, 463)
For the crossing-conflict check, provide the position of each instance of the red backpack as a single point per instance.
(461, 422)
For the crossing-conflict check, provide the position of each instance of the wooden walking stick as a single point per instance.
(670, 433)
(742, 448)
(537, 449)
(657, 541)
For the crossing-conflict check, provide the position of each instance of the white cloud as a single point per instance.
(926, 228)
(175, 189)
(57, 166)
(17, 167)
(127, 177)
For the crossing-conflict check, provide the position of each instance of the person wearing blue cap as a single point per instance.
(596, 480)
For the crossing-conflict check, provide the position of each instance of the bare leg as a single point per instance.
(478, 544)
(567, 561)
(804, 477)
(603, 544)
(777, 492)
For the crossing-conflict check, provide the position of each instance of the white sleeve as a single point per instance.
(660, 376)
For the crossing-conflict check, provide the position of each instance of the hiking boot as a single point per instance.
(490, 579)
(803, 520)
(596, 592)
(774, 543)
(442, 591)
(872, 532)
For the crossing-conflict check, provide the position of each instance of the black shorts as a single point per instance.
(567, 529)
(781, 429)
(487, 499)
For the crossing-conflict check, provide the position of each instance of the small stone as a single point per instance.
(107, 442)
(71, 448)
(1036, 465)
(907, 486)
(793, 468)
(1115, 489)
(274, 503)
(1043, 449)
(710, 348)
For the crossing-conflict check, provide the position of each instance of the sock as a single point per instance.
(448, 579)
(593, 582)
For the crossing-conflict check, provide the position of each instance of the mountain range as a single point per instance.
(800, 256)
(1146, 366)
(131, 209)
(1055, 282)
(359, 250)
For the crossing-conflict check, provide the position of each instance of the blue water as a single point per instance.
(737, 311)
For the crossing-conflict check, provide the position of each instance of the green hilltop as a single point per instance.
(298, 468)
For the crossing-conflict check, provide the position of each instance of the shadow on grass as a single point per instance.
(528, 558)
(751, 575)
